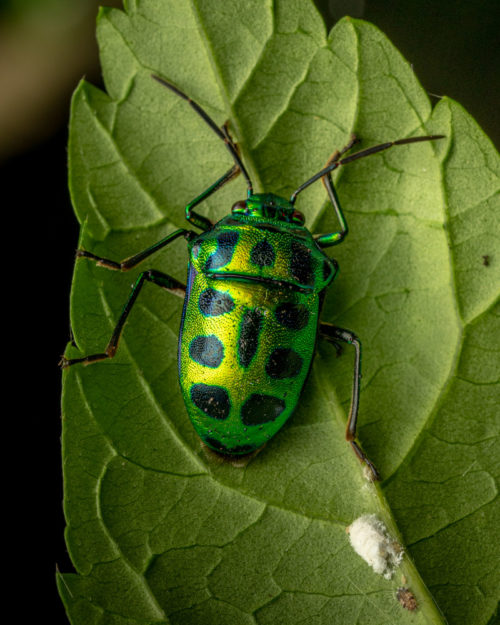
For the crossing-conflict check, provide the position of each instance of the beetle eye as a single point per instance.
(298, 217)
(239, 207)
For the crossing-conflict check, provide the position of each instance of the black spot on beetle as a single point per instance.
(292, 316)
(248, 340)
(207, 350)
(284, 362)
(301, 264)
(214, 303)
(226, 243)
(263, 254)
(213, 400)
(259, 409)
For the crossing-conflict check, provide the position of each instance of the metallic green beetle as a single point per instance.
(250, 323)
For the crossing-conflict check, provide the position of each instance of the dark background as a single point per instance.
(46, 46)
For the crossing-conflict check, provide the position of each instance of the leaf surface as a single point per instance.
(157, 531)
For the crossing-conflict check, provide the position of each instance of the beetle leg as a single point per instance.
(195, 218)
(156, 277)
(199, 220)
(333, 238)
(222, 133)
(132, 261)
(335, 161)
(334, 334)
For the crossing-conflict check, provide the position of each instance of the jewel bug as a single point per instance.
(256, 282)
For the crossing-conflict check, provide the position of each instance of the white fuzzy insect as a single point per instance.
(371, 540)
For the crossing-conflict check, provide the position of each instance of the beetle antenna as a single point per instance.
(336, 162)
(221, 133)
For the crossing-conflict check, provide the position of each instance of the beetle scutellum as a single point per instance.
(251, 318)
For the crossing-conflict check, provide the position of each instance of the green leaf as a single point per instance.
(157, 531)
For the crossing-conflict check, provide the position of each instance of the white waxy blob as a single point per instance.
(371, 540)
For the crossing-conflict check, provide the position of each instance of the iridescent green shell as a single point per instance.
(249, 328)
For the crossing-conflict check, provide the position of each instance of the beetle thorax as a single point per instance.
(268, 206)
